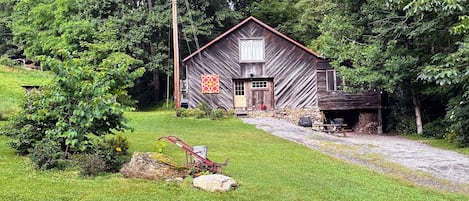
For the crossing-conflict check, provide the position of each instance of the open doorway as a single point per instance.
(349, 117)
(361, 121)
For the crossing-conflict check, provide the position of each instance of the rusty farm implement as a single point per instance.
(196, 157)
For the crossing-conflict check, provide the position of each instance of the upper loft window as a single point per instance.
(333, 81)
(251, 50)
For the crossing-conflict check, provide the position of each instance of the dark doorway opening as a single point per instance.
(350, 117)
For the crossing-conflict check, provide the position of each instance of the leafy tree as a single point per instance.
(137, 28)
(7, 47)
(83, 101)
(242, 6)
(311, 14)
(46, 27)
(450, 68)
(282, 15)
(378, 46)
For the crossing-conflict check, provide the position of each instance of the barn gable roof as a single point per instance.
(263, 25)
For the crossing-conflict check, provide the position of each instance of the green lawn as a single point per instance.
(266, 167)
(440, 143)
(11, 80)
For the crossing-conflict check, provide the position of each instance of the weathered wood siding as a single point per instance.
(339, 100)
(292, 69)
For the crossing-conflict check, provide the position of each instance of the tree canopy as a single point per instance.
(414, 50)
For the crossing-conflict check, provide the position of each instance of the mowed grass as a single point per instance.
(440, 143)
(11, 80)
(266, 167)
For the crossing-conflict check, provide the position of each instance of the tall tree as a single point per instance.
(242, 6)
(379, 47)
(282, 15)
(135, 27)
(449, 67)
(46, 27)
(7, 47)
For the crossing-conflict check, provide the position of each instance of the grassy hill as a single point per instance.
(11, 80)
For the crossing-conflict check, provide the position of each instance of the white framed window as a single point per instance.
(259, 84)
(251, 50)
(333, 82)
(239, 88)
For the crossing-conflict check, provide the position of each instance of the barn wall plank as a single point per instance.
(292, 69)
(339, 100)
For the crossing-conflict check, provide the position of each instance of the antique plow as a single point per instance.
(194, 159)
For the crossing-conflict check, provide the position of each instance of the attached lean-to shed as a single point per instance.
(254, 68)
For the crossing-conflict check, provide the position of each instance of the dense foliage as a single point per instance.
(450, 69)
(140, 29)
(414, 50)
(403, 47)
(83, 102)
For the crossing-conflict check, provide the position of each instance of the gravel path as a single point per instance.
(410, 160)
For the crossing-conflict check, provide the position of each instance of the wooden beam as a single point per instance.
(176, 55)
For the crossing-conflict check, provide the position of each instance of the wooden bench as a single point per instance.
(329, 128)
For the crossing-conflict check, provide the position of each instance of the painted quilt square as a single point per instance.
(210, 84)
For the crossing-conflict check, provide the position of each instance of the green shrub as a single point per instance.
(113, 149)
(217, 114)
(91, 165)
(230, 112)
(191, 112)
(406, 125)
(85, 99)
(198, 113)
(159, 147)
(22, 138)
(202, 111)
(5, 61)
(181, 112)
(47, 154)
(205, 108)
(29, 125)
(435, 129)
(458, 119)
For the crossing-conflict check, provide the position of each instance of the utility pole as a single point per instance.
(176, 54)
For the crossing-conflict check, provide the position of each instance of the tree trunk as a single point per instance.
(156, 85)
(418, 114)
(150, 4)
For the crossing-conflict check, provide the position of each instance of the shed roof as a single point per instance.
(263, 25)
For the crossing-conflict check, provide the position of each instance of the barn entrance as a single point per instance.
(239, 98)
(253, 94)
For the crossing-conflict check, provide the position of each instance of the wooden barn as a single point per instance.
(254, 68)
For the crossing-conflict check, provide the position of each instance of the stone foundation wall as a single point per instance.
(290, 114)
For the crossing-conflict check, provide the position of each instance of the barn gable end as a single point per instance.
(288, 68)
(258, 68)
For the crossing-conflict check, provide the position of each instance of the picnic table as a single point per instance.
(330, 128)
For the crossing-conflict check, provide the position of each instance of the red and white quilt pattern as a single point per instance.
(210, 84)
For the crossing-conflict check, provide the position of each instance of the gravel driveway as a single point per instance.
(410, 160)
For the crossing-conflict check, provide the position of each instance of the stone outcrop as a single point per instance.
(151, 166)
(215, 183)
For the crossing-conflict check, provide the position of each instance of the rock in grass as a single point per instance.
(152, 166)
(214, 183)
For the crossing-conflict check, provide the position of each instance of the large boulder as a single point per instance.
(215, 182)
(152, 166)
